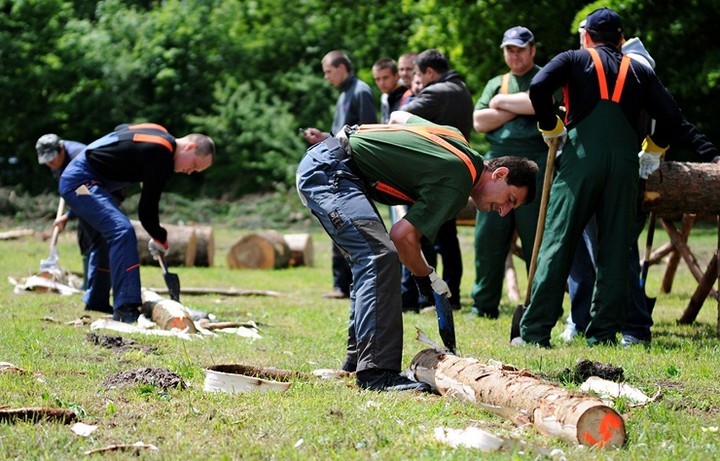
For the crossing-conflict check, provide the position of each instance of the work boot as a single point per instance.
(489, 314)
(106, 309)
(388, 380)
(127, 313)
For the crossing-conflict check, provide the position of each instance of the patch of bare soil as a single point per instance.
(586, 368)
(158, 377)
(118, 343)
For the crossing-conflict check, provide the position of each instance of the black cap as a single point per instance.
(604, 20)
(517, 36)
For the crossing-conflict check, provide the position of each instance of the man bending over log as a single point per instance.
(409, 161)
(142, 153)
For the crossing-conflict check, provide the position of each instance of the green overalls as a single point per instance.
(493, 233)
(597, 174)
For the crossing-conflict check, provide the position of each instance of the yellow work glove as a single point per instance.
(650, 157)
(558, 132)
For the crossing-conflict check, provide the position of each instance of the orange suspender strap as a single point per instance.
(155, 139)
(141, 137)
(622, 74)
(431, 134)
(504, 84)
(147, 126)
(600, 71)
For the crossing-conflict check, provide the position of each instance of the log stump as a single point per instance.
(205, 254)
(570, 416)
(260, 250)
(182, 240)
(301, 249)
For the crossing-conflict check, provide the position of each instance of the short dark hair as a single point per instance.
(205, 145)
(608, 38)
(432, 58)
(386, 63)
(522, 172)
(338, 57)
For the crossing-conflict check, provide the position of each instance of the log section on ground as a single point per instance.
(301, 249)
(182, 241)
(518, 395)
(166, 313)
(205, 255)
(260, 250)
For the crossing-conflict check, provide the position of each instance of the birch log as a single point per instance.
(554, 411)
(166, 313)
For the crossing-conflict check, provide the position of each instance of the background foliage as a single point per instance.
(248, 72)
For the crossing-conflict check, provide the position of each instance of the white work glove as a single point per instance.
(157, 248)
(432, 283)
(650, 157)
(557, 134)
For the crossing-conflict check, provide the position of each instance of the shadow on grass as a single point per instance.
(670, 335)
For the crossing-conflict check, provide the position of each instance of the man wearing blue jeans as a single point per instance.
(133, 153)
(410, 161)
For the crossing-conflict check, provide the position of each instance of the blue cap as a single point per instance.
(517, 36)
(604, 20)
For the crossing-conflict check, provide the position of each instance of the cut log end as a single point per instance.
(262, 250)
(601, 426)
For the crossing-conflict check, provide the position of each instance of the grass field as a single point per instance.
(318, 419)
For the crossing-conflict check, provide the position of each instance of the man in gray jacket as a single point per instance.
(444, 100)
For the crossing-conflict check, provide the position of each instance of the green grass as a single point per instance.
(302, 332)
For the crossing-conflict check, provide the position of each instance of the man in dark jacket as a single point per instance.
(355, 105)
(444, 100)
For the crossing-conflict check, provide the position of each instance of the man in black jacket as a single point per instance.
(141, 153)
(444, 100)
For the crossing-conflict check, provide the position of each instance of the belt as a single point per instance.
(339, 146)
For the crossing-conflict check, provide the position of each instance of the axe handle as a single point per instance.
(56, 229)
(544, 199)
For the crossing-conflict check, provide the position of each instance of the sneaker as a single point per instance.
(628, 340)
(336, 294)
(517, 341)
(127, 313)
(388, 380)
(569, 333)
